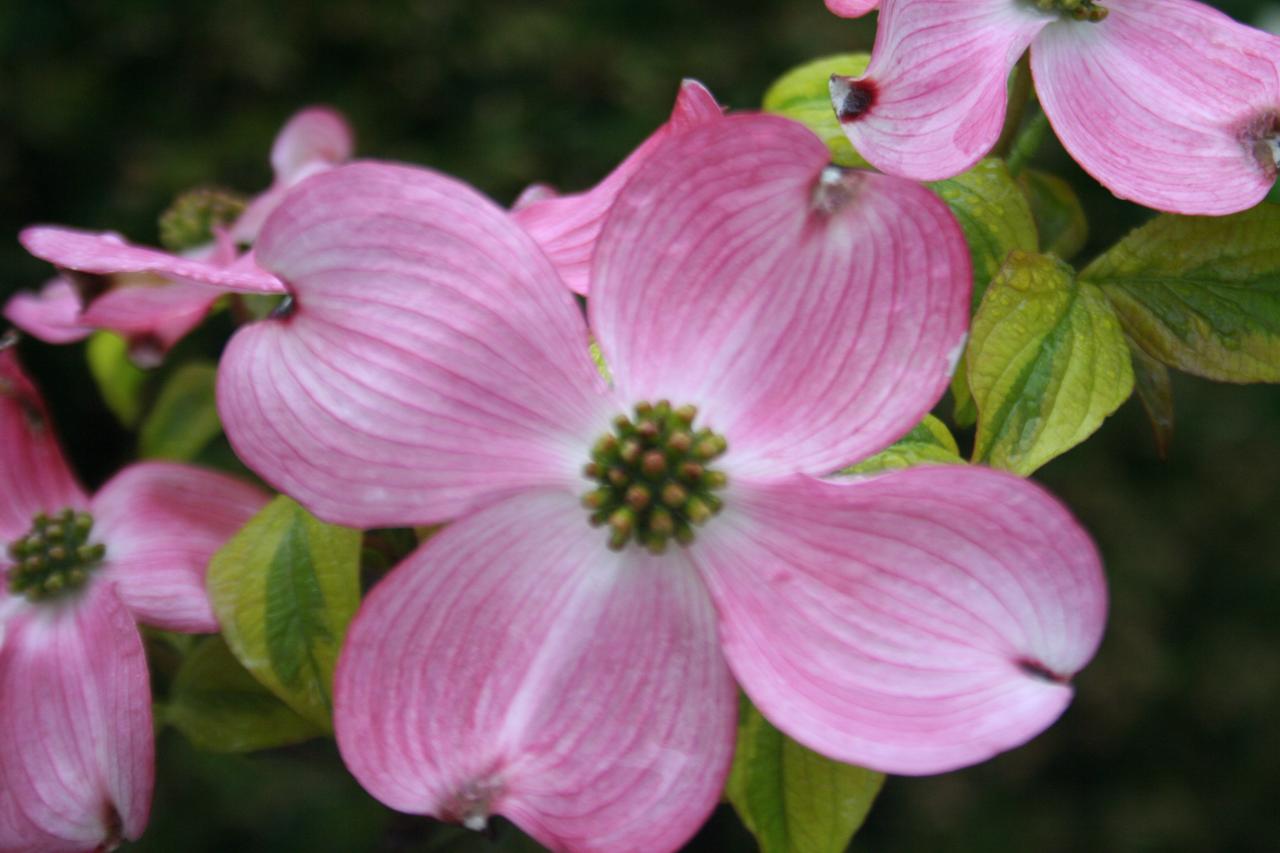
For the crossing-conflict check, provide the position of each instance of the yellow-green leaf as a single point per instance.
(803, 95)
(220, 707)
(1048, 363)
(284, 589)
(791, 798)
(929, 441)
(119, 380)
(1058, 213)
(1201, 294)
(994, 215)
(184, 418)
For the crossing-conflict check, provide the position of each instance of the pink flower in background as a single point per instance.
(1167, 103)
(567, 227)
(76, 742)
(567, 651)
(153, 297)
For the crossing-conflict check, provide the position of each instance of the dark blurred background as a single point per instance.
(108, 110)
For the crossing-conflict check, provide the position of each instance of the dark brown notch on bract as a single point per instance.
(1035, 669)
(852, 98)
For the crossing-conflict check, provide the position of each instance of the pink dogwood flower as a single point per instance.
(153, 297)
(567, 227)
(76, 575)
(567, 651)
(1167, 103)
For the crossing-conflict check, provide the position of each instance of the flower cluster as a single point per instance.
(626, 544)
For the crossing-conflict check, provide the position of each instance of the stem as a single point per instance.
(1027, 143)
(1019, 94)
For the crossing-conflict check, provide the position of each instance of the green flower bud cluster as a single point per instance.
(1081, 10)
(190, 220)
(55, 556)
(653, 483)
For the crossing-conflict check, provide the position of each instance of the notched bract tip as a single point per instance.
(835, 187)
(851, 97)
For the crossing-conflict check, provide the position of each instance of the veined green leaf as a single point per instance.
(996, 220)
(184, 418)
(220, 707)
(284, 589)
(793, 799)
(929, 441)
(803, 95)
(1201, 294)
(1047, 363)
(1058, 213)
(994, 215)
(119, 380)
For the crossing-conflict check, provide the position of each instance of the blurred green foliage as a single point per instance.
(109, 110)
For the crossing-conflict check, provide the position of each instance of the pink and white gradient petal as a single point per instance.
(813, 315)
(567, 226)
(578, 691)
(914, 622)
(164, 312)
(51, 315)
(851, 8)
(34, 476)
(932, 101)
(161, 523)
(433, 361)
(76, 747)
(108, 254)
(313, 140)
(1160, 101)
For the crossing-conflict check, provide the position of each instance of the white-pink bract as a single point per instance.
(76, 742)
(568, 226)
(1167, 103)
(155, 298)
(435, 368)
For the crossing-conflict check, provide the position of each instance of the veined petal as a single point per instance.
(933, 99)
(161, 523)
(536, 674)
(313, 140)
(161, 311)
(432, 361)
(567, 226)
(52, 315)
(913, 622)
(851, 8)
(108, 254)
(1165, 102)
(812, 314)
(34, 476)
(76, 747)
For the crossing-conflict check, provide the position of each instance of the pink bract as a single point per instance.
(434, 368)
(1167, 103)
(567, 227)
(76, 742)
(153, 297)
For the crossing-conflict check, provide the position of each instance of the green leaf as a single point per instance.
(994, 216)
(220, 707)
(1047, 363)
(1201, 294)
(1058, 214)
(284, 589)
(184, 419)
(793, 799)
(929, 441)
(803, 95)
(1155, 391)
(119, 380)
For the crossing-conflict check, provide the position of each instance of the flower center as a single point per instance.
(1080, 10)
(55, 557)
(191, 219)
(653, 483)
